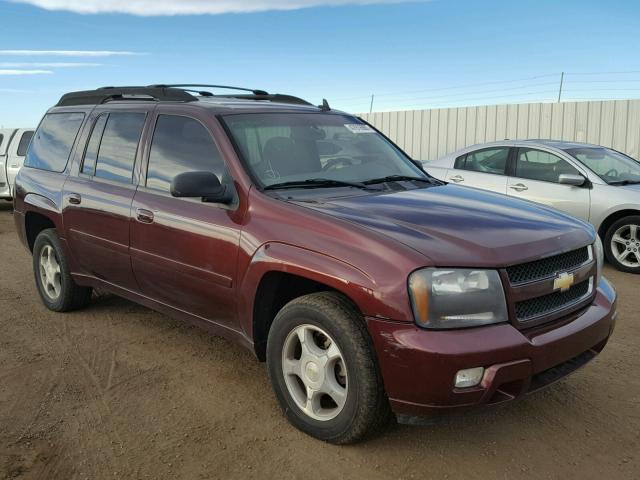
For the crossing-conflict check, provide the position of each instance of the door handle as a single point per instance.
(75, 199)
(457, 179)
(519, 187)
(144, 216)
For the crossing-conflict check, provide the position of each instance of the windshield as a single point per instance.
(321, 149)
(611, 166)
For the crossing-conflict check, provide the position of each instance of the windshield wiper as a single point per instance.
(398, 178)
(625, 182)
(316, 183)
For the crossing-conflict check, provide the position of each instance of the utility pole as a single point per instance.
(560, 90)
(371, 106)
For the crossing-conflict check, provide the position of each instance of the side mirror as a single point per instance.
(204, 185)
(418, 164)
(571, 179)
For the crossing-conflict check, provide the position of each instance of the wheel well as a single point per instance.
(34, 223)
(614, 217)
(276, 289)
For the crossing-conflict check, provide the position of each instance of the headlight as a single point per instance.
(598, 251)
(457, 298)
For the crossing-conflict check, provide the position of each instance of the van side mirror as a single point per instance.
(204, 185)
(571, 179)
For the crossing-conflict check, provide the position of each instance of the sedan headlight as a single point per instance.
(457, 298)
(598, 251)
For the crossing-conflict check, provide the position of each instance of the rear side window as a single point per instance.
(91, 154)
(181, 144)
(53, 141)
(24, 143)
(117, 150)
(490, 160)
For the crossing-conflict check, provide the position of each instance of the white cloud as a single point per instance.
(190, 7)
(47, 64)
(65, 53)
(25, 72)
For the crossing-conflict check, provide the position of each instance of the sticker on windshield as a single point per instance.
(359, 128)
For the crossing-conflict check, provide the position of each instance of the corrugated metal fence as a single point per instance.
(429, 134)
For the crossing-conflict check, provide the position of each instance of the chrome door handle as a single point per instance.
(519, 187)
(75, 199)
(144, 216)
(457, 179)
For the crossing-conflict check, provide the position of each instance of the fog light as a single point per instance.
(469, 377)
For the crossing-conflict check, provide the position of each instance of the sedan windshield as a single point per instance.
(613, 167)
(318, 150)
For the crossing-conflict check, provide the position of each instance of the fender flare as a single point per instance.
(336, 274)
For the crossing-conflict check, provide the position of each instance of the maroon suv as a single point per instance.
(307, 236)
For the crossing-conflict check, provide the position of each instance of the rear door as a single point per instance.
(184, 251)
(98, 197)
(17, 152)
(535, 176)
(483, 168)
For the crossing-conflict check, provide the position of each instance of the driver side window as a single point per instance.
(542, 166)
(182, 144)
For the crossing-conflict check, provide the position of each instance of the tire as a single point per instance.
(326, 320)
(620, 239)
(57, 289)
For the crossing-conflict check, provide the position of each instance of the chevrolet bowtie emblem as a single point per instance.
(563, 282)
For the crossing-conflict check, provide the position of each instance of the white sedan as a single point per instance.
(594, 183)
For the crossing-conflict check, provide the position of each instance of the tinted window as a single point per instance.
(91, 154)
(24, 143)
(181, 144)
(491, 160)
(1, 139)
(117, 151)
(543, 166)
(53, 141)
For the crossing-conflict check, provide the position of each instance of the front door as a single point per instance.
(184, 251)
(98, 200)
(535, 178)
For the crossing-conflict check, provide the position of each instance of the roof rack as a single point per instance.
(174, 92)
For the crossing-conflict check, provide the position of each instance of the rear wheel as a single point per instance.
(324, 371)
(57, 289)
(622, 244)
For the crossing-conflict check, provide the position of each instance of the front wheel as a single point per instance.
(622, 244)
(324, 371)
(57, 289)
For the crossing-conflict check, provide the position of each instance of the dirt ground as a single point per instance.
(119, 391)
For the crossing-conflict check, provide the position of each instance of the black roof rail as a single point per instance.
(105, 94)
(272, 97)
(226, 87)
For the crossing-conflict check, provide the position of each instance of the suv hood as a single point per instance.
(460, 226)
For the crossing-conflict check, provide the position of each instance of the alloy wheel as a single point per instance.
(625, 245)
(50, 273)
(315, 372)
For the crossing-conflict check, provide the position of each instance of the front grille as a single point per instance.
(547, 267)
(535, 307)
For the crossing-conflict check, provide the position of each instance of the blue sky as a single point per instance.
(409, 54)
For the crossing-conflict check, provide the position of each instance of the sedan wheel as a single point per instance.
(623, 244)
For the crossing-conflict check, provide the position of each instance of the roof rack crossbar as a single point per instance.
(199, 85)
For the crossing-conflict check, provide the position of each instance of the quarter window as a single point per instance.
(117, 151)
(490, 160)
(542, 166)
(53, 141)
(181, 144)
(24, 143)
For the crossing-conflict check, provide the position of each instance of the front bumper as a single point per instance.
(419, 366)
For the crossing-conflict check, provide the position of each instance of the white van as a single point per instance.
(13, 148)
